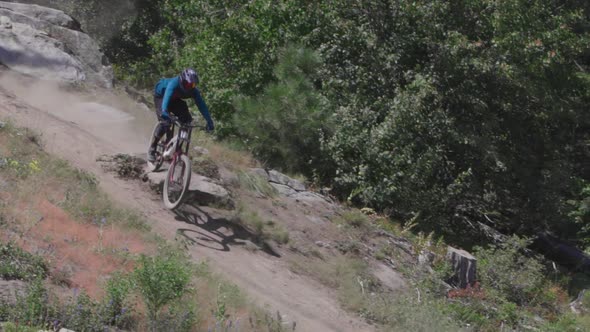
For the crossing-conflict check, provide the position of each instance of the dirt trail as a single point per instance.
(80, 128)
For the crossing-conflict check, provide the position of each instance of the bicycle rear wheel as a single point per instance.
(177, 182)
(155, 166)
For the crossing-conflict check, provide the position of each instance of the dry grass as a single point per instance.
(223, 153)
(262, 229)
(256, 184)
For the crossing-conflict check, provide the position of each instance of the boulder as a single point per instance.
(260, 172)
(43, 14)
(388, 277)
(202, 190)
(426, 258)
(311, 197)
(11, 291)
(284, 189)
(281, 178)
(47, 43)
(201, 150)
(463, 266)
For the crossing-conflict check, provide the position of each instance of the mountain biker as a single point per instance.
(168, 98)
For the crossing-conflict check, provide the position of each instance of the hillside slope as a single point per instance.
(73, 128)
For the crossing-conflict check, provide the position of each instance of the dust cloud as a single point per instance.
(108, 115)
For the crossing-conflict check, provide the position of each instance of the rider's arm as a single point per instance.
(203, 109)
(172, 86)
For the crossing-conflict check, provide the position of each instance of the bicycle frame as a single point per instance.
(179, 144)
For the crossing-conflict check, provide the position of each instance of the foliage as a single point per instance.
(505, 269)
(470, 112)
(33, 308)
(16, 263)
(80, 314)
(580, 212)
(115, 309)
(284, 123)
(180, 316)
(160, 280)
(433, 130)
(12, 327)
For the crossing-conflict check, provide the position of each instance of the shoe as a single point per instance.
(152, 155)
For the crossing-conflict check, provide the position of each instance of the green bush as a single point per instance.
(34, 308)
(115, 308)
(16, 263)
(506, 270)
(13, 327)
(160, 280)
(180, 316)
(79, 314)
(82, 313)
(283, 124)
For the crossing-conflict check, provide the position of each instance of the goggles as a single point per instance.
(189, 85)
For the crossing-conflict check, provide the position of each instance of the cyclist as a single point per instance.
(168, 98)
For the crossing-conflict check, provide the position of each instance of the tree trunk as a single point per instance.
(464, 267)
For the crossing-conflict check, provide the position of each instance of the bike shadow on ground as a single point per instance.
(213, 233)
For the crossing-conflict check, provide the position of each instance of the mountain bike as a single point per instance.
(174, 150)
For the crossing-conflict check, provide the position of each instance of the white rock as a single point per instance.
(260, 172)
(202, 190)
(47, 43)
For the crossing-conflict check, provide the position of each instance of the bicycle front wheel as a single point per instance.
(177, 182)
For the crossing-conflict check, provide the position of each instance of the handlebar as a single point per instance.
(176, 120)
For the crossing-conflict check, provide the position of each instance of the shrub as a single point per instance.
(283, 125)
(80, 314)
(34, 308)
(505, 269)
(12, 327)
(160, 280)
(115, 309)
(179, 317)
(16, 263)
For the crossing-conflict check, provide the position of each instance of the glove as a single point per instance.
(165, 116)
(210, 127)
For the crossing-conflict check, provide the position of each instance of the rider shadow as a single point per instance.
(214, 233)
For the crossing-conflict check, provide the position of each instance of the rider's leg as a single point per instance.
(163, 127)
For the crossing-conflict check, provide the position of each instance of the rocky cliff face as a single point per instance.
(47, 43)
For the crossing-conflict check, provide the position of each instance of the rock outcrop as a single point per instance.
(11, 290)
(464, 267)
(201, 190)
(290, 187)
(47, 43)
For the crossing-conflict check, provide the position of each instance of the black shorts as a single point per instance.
(177, 107)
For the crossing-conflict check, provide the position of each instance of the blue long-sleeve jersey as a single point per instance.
(170, 89)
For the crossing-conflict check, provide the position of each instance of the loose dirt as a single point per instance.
(81, 127)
